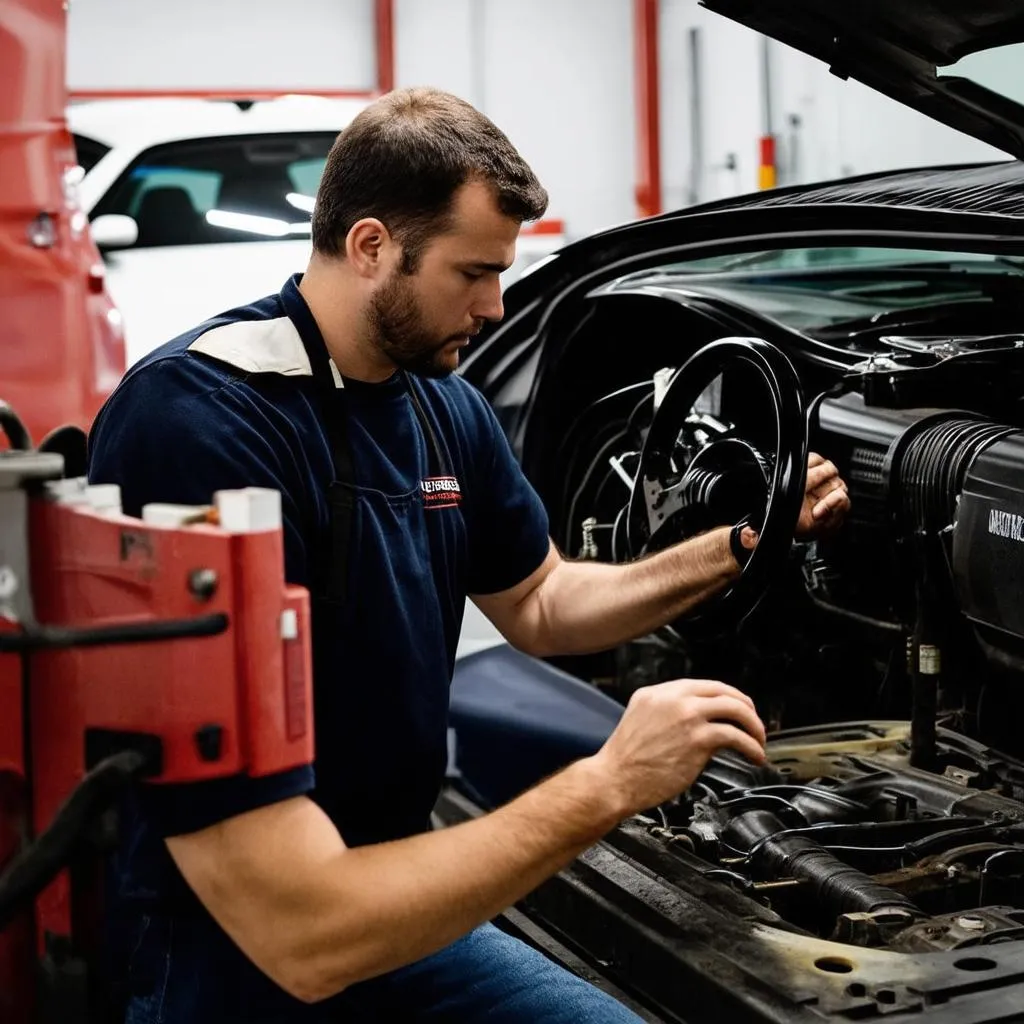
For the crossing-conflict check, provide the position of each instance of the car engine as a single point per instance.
(914, 604)
(900, 829)
(874, 866)
(840, 837)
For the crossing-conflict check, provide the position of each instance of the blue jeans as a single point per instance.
(485, 976)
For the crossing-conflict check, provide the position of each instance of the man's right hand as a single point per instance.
(669, 732)
(317, 916)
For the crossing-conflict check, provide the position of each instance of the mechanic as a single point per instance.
(322, 898)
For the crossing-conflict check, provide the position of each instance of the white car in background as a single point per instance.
(200, 205)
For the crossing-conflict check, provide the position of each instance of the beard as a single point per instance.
(397, 329)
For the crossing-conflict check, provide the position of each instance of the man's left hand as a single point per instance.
(826, 501)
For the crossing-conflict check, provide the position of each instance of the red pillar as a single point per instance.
(385, 45)
(648, 179)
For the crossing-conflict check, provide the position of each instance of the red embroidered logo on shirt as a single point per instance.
(441, 492)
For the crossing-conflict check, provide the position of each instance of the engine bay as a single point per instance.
(843, 839)
(874, 865)
(926, 430)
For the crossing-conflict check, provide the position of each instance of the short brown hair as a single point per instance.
(403, 158)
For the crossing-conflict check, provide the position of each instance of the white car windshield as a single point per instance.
(997, 69)
(233, 189)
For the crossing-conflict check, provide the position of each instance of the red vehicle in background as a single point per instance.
(61, 341)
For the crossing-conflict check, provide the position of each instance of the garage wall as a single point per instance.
(722, 89)
(825, 127)
(216, 44)
(555, 75)
(845, 128)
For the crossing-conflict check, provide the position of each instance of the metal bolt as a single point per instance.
(970, 923)
(588, 548)
(203, 583)
(42, 232)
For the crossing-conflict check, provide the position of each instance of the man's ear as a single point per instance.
(366, 247)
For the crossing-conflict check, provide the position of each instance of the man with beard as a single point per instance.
(322, 898)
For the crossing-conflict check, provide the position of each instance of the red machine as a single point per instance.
(61, 342)
(166, 648)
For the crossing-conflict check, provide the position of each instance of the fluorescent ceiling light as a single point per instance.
(301, 202)
(269, 227)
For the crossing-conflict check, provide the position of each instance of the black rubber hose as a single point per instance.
(16, 431)
(50, 638)
(34, 868)
(837, 888)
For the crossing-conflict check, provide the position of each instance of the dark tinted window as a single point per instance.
(239, 189)
(819, 288)
(88, 151)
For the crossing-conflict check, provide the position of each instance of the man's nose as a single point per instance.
(489, 305)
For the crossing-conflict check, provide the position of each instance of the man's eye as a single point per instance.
(472, 275)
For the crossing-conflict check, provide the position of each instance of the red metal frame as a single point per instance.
(385, 12)
(61, 344)
(253, 681)
(384, 18)
(648, 126)
(216, 94)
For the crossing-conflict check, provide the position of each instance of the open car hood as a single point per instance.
(897, 47)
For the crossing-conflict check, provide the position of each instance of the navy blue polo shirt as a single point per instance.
(233, 404)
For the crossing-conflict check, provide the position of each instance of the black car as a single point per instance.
(673, 374)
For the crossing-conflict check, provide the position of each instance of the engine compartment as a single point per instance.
(846, 607)
(843, 839)
(873, 867)
(903, 830)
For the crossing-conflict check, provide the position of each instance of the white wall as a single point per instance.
(221, 44)
(555, 75)
(729, 98)
(846, 128)
(435, 45)
(572, 107)
(825, 127)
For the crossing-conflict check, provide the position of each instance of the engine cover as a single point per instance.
(988, 543)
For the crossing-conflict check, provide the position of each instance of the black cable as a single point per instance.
(47, 638)
(35, 867)
(16, 431)
(814, 409)
(838, 888)
(847, 613)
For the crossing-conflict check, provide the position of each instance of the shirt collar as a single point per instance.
(301, 316)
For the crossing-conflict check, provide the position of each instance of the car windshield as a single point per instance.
(997, 69)
(848, 258)
(239, 189)
(816, 288)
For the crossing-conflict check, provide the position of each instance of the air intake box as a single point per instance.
(988, 545)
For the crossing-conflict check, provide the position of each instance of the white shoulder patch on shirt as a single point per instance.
(259, 346)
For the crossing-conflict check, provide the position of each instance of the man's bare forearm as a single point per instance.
(317, 916)
(416, 895)
(591, 606)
